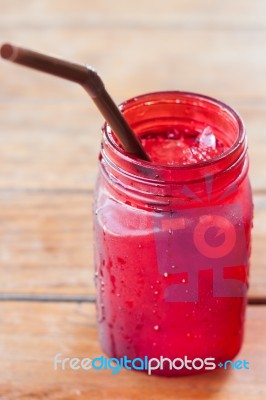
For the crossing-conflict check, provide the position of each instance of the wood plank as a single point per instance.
(33, 333)
(46, 244)
(180, 13)
(255, 120)
(46, 148)
(223, 64)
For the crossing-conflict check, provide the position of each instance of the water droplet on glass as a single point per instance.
(170, 135)
(156, 292)
(183, 280)
(173, 266)
(118, 294)
(156, 327)
(165, 274)
(188, 334)
(140, 246)
(170, 231)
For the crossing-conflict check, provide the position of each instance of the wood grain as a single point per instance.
(184, 14)
(46, 243)
(32, 334)
(222, 63)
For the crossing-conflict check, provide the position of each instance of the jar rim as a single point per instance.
(231, 152)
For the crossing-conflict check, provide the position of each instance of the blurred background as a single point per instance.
(50, 139)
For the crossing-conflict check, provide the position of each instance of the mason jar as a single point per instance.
(172, 242)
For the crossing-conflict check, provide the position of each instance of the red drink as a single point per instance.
(172, 237)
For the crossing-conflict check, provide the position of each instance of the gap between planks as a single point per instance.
(80, 298)
(68, 191)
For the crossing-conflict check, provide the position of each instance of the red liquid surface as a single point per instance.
(182, 145)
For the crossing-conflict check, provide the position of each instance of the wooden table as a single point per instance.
(50, 138)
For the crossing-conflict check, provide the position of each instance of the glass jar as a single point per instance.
(172, 243)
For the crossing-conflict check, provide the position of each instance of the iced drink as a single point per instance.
(172, 237)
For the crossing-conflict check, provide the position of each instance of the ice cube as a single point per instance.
(207, 138)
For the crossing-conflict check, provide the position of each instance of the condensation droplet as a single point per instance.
(183, 280)
(170, 231)
(173, 266)
(188, 334)
(156, 292)
(156, 327)
(165, 274)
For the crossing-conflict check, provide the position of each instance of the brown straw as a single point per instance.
(91, 82)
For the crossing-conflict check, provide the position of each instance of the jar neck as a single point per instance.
(162, 187)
